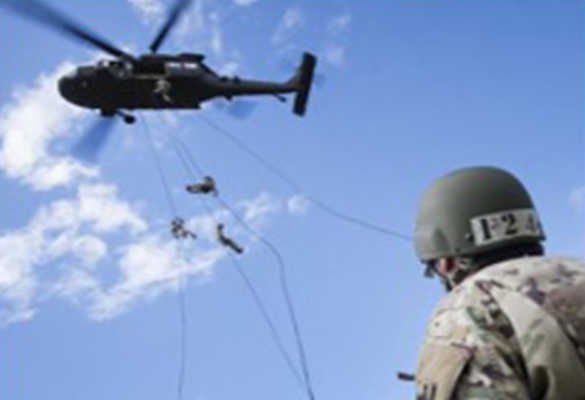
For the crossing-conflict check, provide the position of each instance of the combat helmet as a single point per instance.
(473, 211)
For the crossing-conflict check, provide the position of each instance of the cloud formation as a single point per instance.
(292, 20)
(337, 31)
(71, 245)
(152, 11)
(298, 204)
(36, 118)
(67, 234)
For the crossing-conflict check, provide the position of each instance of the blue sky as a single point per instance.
(412, 90)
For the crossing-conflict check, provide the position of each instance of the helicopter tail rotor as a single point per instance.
(302, 83)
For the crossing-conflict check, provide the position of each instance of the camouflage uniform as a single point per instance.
(512, 331)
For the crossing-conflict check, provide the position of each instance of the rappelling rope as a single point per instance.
(296, 187)
(188, 160)
(183, 322)
(159, 168)
(189, 163)
(291, 309)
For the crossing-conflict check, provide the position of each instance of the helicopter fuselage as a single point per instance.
(156, 82)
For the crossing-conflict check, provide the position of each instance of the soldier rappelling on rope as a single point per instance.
(180, 231)
(206, 186)
(227, 241)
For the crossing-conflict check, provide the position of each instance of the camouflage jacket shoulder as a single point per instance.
(477, 343)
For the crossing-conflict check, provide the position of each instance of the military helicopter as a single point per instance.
(154, 81)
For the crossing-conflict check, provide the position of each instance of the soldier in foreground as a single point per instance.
(513, 323)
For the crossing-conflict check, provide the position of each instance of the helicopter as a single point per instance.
(153, 81)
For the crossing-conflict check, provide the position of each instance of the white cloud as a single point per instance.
(36, 118)
(205, 225)
(63, 250)
(216, 34)
(150, 267)
(245, 3)
(69, 232)
(577, 200)
(152, 11)
(340, 23)
(337, 29)
(155, 264)
(97, 206)
(256, 210)
(335, 55)
(17, 279)
(291, 21)
(297, 204)
(292, 18)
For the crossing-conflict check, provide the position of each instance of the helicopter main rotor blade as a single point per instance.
(174, 14)
(48, 15)
(92, 142)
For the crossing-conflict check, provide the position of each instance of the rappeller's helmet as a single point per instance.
(475, 211)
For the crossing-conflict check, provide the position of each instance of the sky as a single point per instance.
(406, 91)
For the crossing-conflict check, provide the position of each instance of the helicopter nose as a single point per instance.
(70, 90)
(67, 88)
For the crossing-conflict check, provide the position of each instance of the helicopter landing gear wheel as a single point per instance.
(129, 119)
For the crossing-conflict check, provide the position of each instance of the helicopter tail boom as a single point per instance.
(302, 83)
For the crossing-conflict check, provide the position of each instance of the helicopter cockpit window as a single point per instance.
(118, 69)
(182, 65)
(176, 68)
(174, 65)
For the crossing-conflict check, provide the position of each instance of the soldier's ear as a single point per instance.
(445, 265)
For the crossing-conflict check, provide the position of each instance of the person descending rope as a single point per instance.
(226, 241)
(205, 187)
(179, 231)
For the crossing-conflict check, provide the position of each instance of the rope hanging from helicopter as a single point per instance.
(193, 169)
(189, 161)
(159, 168)
(293, 185)
(182, 305)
